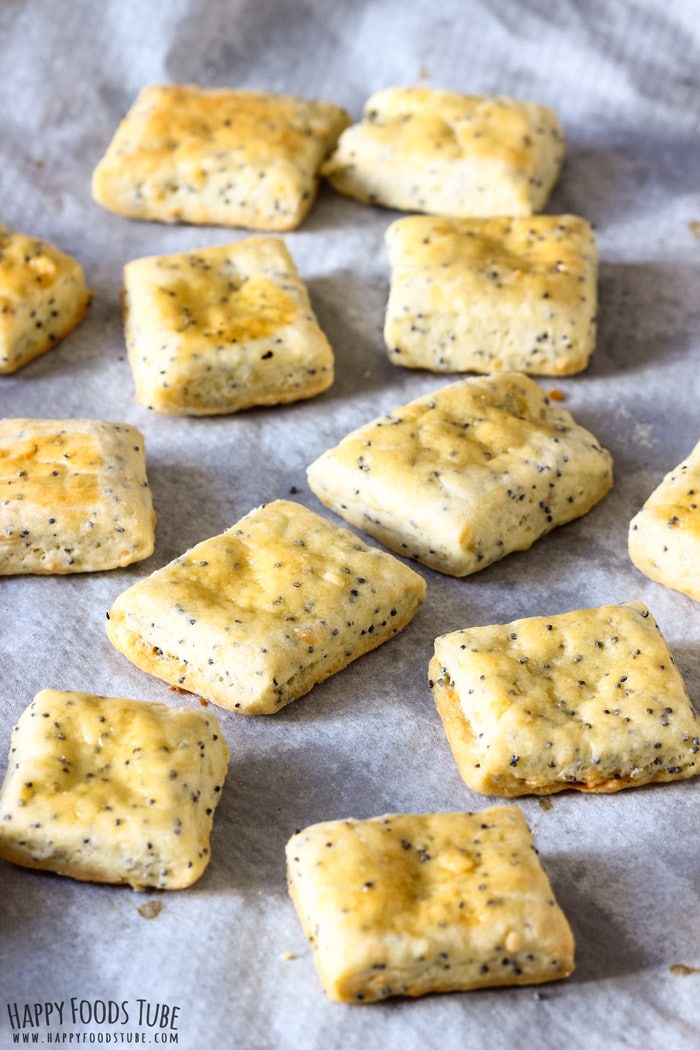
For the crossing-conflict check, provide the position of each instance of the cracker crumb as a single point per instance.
(150, 909)
(643, 435)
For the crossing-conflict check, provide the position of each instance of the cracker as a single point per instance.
(483, 295)
(459, 478)
(589, 700)
(107, 789)
(664, 536)
(217, 156)
(420, 149)
(42, 297)
(223, 329)
(74, 496)
(255, 617)
(409, 904)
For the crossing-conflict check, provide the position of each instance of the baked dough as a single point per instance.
(408, 904)
(222, 329)
(664, 537)
(107, 789)
(255, 617)
(590, 700)
(420, 149)
(218, 156)
(483, 295)
(74, 496)
(42, 297)
(461, 477)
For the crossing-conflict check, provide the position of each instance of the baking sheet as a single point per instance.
(226, 960)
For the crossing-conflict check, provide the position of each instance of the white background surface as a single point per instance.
(624, 79)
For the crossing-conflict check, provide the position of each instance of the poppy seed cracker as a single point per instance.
(444, 153)
(664, 536)
(107, 789)
(42, 297)
(589, 700)
(74, 496)
(255, 617)
(217, 156)
(409, 904)
(459, 478)
(483, 295)
(223, 329)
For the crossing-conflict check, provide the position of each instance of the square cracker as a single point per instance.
(420, 149)
(255, 617)
(409, 904)
(42, 297)
(74, 496)
(461, 477)
(223, 329)
(664, 537)
(106, 789)
(590, 700)
(482, 295)
(218, 156)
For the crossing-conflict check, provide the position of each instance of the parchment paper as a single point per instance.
(228, 956)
